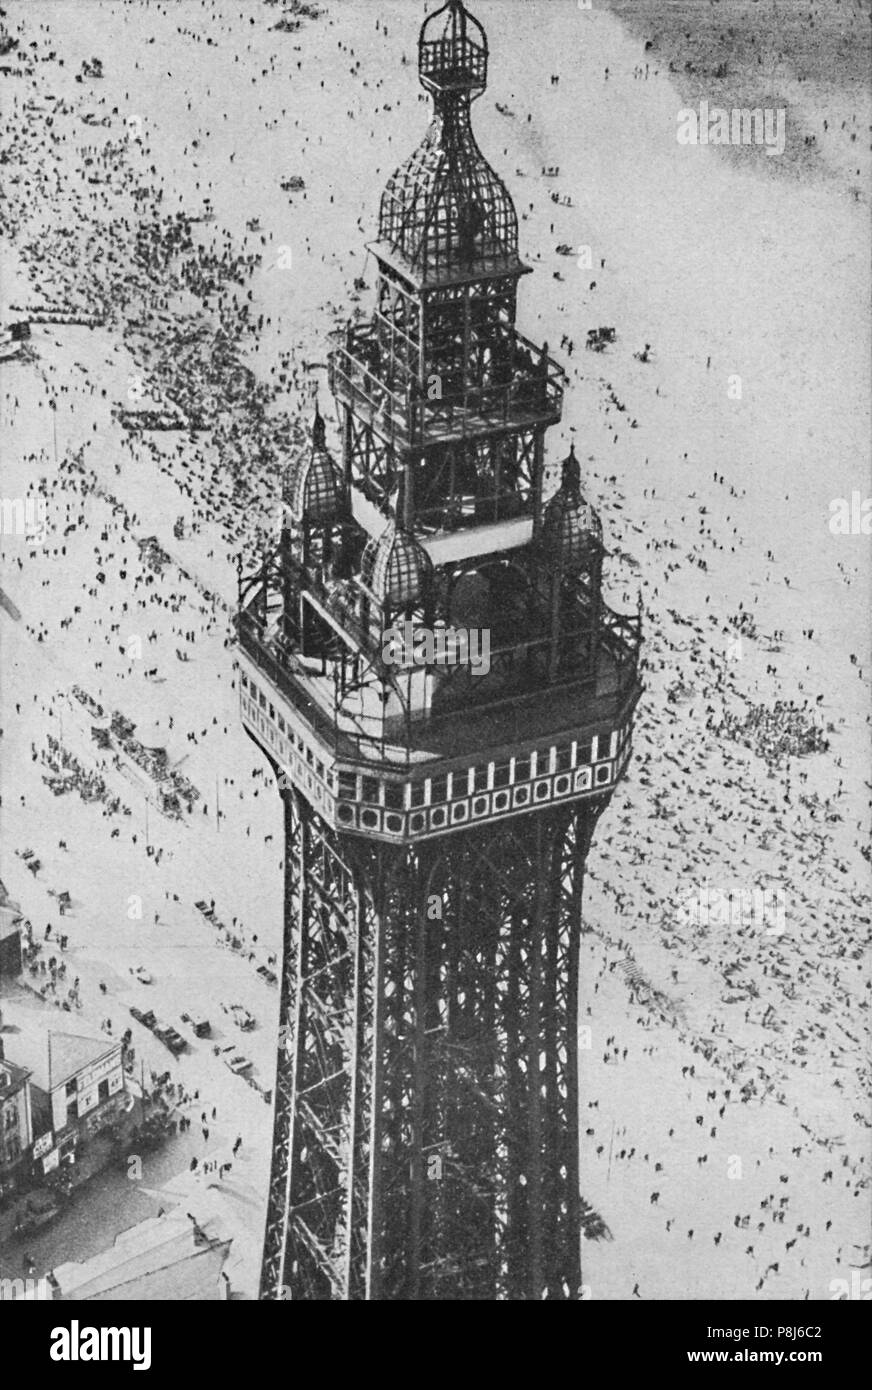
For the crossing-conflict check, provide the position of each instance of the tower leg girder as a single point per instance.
(426, 1140)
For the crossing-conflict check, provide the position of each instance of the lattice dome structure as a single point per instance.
(572, 532)
(445, 207)
(313, 486)
(397, 569)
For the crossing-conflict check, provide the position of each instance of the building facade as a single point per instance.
(87, 1080)
(10, 937)
(16, 1122)
(77, 1089)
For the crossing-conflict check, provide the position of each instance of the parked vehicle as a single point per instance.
(241, 1016)
(237, 1064)
(201, 1026)
(40, 1208)
(171, 1038)
(145, 1017)
(233, 1060)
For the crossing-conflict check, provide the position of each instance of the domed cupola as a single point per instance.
(397, 569)
(314, 488)
(572, 533)
(445, 210)
(452, 51)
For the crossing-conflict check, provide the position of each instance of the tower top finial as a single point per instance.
(452, 51)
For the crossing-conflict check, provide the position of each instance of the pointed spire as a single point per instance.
(313, 484)
(571, 479)
(319, 429)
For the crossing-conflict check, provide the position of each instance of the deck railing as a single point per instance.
(520, 674)
(404, 415)
(453, 62)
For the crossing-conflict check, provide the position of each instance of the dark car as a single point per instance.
(172, 1039)
(146, 1018)
(200, 1024)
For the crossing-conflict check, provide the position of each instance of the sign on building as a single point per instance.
(43, 1144)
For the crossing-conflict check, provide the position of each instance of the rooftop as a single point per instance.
(53, 1057)
(12, 1078)
(9, 909)
(165, 1257)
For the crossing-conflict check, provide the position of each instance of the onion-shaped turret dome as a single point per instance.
(445, 209)
(397, 568)
(572, 533)
(314, 489)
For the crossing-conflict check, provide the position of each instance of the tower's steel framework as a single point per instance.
(437, 817)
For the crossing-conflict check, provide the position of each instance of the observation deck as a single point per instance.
(404, 418)
(494, 746)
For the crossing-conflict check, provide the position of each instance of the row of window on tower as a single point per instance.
(399, 794)
(431, 791)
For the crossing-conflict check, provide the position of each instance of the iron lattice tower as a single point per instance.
(437, 819)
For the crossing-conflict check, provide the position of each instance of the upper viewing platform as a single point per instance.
(452, 51)
(405, 417)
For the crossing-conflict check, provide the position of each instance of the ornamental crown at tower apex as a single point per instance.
(452, 51)
(438, 517)
(445, 213)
